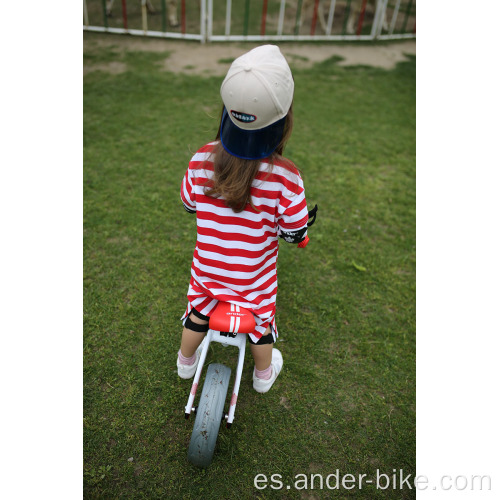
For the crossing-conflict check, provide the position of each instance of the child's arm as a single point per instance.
(300, 236)
(292, 224)
(293, 236)
(187, 195)
(312, 216)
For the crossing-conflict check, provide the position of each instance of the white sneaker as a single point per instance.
(188, 371)
(261, 385)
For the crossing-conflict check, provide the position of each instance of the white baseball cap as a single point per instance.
(257, 94)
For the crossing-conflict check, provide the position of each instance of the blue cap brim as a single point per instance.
(250, 144)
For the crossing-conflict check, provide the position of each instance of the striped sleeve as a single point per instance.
(187, 193)
(292, 223)
(295, 215)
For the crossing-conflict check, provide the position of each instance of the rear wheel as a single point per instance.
(209, 414)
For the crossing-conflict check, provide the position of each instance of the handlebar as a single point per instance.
(304, 243)
(312, 215)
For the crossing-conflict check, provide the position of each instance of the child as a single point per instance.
(245, 194)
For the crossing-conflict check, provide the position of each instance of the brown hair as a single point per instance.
(233, 176)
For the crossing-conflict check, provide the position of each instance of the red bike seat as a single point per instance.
(231, 318)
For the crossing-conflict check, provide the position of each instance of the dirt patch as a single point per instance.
(115, 68)
(214, 59)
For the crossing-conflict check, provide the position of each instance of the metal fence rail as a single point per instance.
(256, 20)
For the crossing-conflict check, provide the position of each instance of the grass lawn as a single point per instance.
(346, 304)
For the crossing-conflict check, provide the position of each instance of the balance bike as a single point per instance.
(228, 325)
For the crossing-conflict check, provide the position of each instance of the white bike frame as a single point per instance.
(238, 341)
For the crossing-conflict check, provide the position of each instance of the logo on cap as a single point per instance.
(243, 117)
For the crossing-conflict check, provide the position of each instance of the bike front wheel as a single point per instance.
(209, 414)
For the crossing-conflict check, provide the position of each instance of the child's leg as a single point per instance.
(262, 354)
(191, 339)
(194, 331)
(268, 363)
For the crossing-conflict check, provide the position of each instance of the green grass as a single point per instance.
(346, 305)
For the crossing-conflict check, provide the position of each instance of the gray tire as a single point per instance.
(208, 415)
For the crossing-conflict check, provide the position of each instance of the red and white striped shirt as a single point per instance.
(236, 253)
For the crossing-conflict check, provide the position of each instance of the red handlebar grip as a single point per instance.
(304, 243)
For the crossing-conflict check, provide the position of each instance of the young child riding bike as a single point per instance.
(245, 195)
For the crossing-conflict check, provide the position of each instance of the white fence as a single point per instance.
(255, 20)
